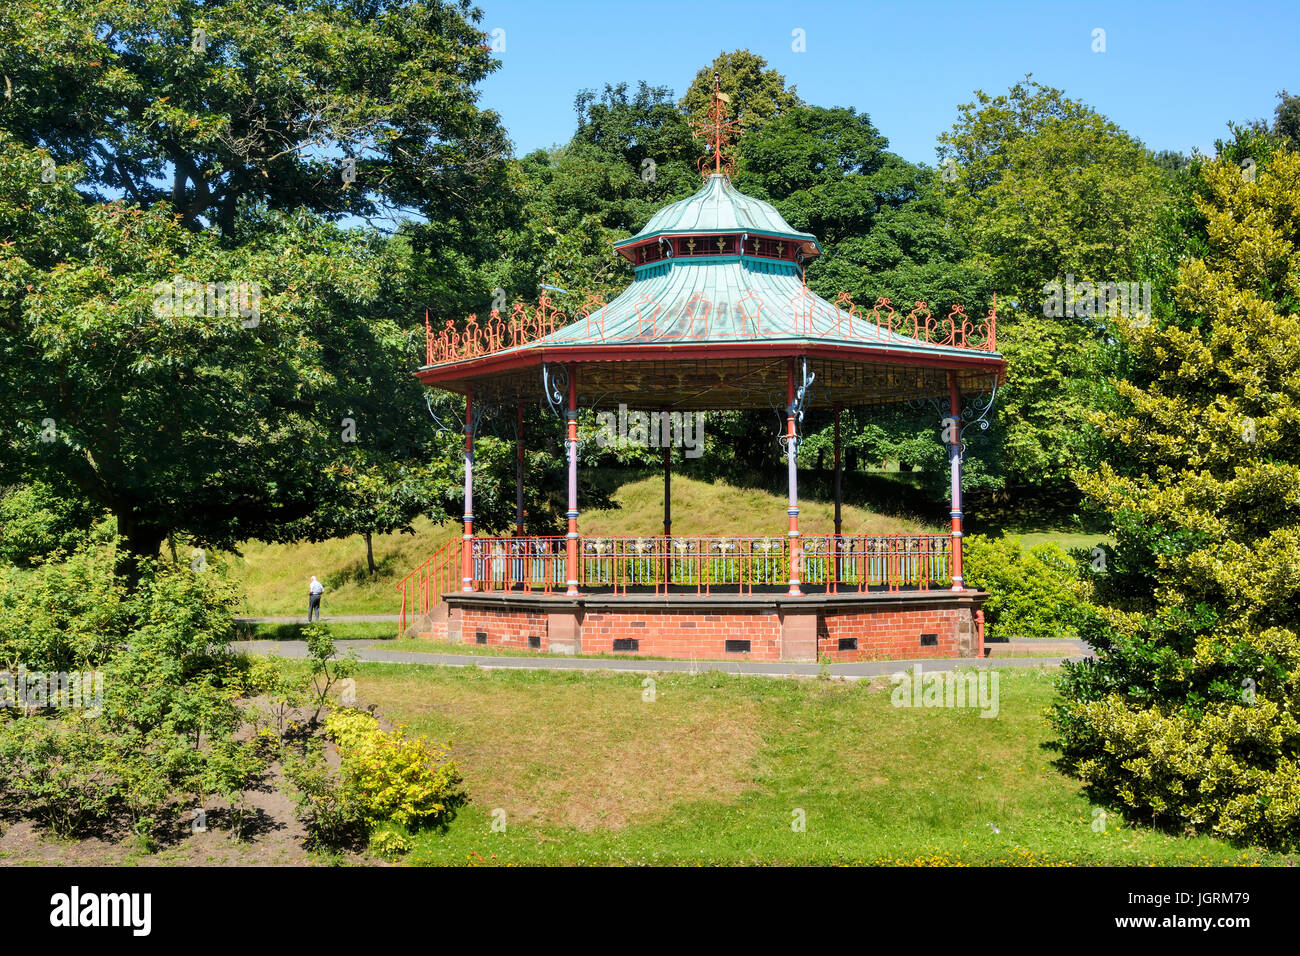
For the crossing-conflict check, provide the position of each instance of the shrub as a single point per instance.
(325, 671)
(390, 843)
(328, 810)
(1033, 593)
(59, 774)
(64, 615)
(1186, 717)
(1231, 771)
(395, 776)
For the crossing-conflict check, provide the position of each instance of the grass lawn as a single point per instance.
(581, 769)
(1065, 539)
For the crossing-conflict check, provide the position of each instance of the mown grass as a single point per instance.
(1065, 539)
(581, 768)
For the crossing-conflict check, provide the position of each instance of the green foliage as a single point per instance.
(879, 219)
(285, 689)
(63, 615)
(390, 843)
(57, 773)
(325, 670)
(1032, 593)
(195, 423)
(36, 521)
(756, 92)
(329, 810)
(119, 88)
(1041, 186)
(1186, 717)
(1045, 185)
(395, 777)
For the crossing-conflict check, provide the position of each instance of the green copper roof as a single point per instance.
(718, 207)
(746, 300)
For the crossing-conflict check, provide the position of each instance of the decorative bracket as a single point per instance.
(802, 393)
(802, 389)
(555, 387)
(977, 412)
(440, 427)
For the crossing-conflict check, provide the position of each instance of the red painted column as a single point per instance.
(792, 452)
(519, 472)
(954, 407)
(835, 539)
(467, 539)
(571, 542)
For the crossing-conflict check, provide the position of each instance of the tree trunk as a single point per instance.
(140, 543)
(370, 555)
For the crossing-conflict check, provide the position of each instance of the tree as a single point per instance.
(756, 93)
(1187, 715)
(209, 105)
(630, 155)
(1041, 185)
(879, 219)
(1286, 119)
(1044, 189)
(176, 408)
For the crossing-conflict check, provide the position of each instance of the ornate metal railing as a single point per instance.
(423, 588)
(684, 563)
(651, 321)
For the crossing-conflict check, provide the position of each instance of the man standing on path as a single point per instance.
(314, 591)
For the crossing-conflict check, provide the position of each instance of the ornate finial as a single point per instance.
(719, 131)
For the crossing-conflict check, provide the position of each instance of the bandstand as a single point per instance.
(718, 317)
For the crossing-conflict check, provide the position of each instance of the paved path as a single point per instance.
(366, 652)
(325, 619)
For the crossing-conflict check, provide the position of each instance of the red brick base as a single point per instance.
(853, 627)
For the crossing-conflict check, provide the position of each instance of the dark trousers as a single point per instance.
(313, 607)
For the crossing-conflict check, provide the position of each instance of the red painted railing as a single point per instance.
(683, 563)
(703, 562)
(424, 587)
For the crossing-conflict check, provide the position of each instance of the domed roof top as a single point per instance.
(718, 208)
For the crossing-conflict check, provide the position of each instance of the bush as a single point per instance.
(394, 776)
(64, 615)
(1231, 772)
(1034, 593)
(390, 844)
(328, 810)
(58, 774)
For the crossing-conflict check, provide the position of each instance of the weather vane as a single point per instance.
(719, 131)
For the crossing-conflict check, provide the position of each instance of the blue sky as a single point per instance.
(1172, 74)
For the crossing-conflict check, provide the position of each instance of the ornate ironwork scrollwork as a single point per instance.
(977, 412)
(555, 385)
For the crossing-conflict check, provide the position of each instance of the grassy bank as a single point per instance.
(582, 768)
